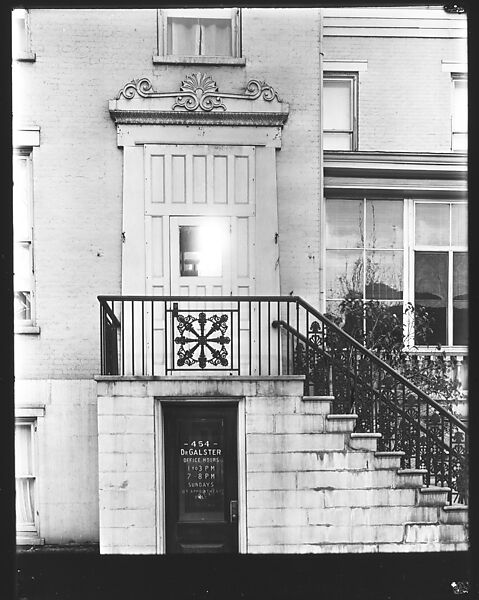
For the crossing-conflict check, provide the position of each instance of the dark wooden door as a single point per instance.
(201, 478)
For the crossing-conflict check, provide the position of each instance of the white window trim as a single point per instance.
(29, 415)
(28, 55)
(349, 66)
(162, 57)
(354, 78)
(412, 248)
(24, 140)
(456, 76)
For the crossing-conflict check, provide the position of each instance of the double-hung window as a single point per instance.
(25, 478)
(339, 111)
(200, 33)
(440, 269)
(459, 113)
(23, 236)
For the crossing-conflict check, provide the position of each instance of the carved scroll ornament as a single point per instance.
(198, 90)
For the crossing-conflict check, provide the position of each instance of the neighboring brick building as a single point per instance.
(219, 136)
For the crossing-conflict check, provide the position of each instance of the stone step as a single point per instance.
(317, 404)
(388, 460)
(454, 514)
(340, 423)
(432, 496)
(364, 441)
(410, 478)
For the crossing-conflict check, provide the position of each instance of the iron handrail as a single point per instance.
(427, 399)
(384, 365)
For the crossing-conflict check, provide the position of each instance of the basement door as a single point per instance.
(201, 478)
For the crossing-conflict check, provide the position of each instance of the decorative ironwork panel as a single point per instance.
(202, 340)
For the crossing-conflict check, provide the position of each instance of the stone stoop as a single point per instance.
(345, 497)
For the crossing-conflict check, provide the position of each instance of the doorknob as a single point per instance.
(233, 511)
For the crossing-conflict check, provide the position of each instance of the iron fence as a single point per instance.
(277, 335)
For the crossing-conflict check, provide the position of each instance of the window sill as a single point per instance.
(199, 60)
(27, 329)
(26, 57)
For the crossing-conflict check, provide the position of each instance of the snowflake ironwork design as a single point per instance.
(204, 333)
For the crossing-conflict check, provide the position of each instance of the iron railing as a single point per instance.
(277, 335)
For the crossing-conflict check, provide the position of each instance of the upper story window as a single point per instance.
(23, 236)
(213, 33)
(339, 111)
(21, 41)
(459, 113)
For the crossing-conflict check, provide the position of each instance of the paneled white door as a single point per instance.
(199, 234)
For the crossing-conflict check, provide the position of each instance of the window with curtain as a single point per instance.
(364, 251)
(25, 476)
(202, 32)
(22, 232)
(459, 113)
(440, 270)
(339, 112)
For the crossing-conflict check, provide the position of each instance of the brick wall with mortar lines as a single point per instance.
(404, 96)
(83, 59)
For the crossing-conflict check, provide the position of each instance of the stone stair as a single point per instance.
(330, 490)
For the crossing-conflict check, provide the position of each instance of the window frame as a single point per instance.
(409, 249)
(26, 54)
(456, 77)
(26, 153)
(162, 36)
(364, 248)
(353, 78)
(450, 249)
(29, 533)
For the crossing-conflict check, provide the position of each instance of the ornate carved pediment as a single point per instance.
(198, 101)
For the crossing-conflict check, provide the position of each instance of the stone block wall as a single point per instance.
(310, 485)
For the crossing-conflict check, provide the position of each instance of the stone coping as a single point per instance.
(200, 377)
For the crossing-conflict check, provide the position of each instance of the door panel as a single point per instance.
(201, 478)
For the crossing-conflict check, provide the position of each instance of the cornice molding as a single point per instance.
(198, 102)
(396, 164)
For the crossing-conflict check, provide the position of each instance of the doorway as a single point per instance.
(201, 478)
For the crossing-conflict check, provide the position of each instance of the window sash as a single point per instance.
(340, 136)
(25, 476)
(363, 275)
(201, 16)
(23, 281)
(459, 105)
(451, 247)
